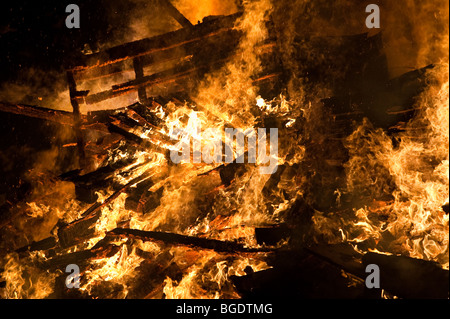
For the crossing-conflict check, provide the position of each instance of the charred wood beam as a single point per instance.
(402, 276)
(103, 116)
(342, 255)
(222, 40)
(97, 176)
(100, 127)
(197, 64)
(43, 244)
(272, 235)
(56, 116)
(144, 122)
(113, 128)
(109, 70)
(123, 122)
(86, 185)
(133, 119)
(139, 73)
(149, 200)
(95, 208)
(298, 274)
(79, 230)
(123, 118)
(385, 104)
(168, 76)
(177, 15)
(143, 115)
(61, 117)
(183, 240)
(76, 118)
(137, 140)
(154, 44)
(218, 43)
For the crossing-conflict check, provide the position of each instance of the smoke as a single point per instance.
(138, 19)
(35, 86)
(415, 33)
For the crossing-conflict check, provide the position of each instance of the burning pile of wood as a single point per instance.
(108, 142)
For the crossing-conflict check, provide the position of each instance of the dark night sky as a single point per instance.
(33, 33)
(35, 43)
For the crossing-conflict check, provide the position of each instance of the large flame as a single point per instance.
(408, 182)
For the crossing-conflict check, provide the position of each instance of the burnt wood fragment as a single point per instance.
(142, 200)
(43, 244)
(342, 255)
(299, 274)
(272, 235)
(152, 272)
(445, 208)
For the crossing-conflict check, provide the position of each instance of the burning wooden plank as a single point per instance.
(61, 117)
(177, 239)
(86, 185)
(159, 43)
(56, 116)
(153, 271)
(82, 228)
